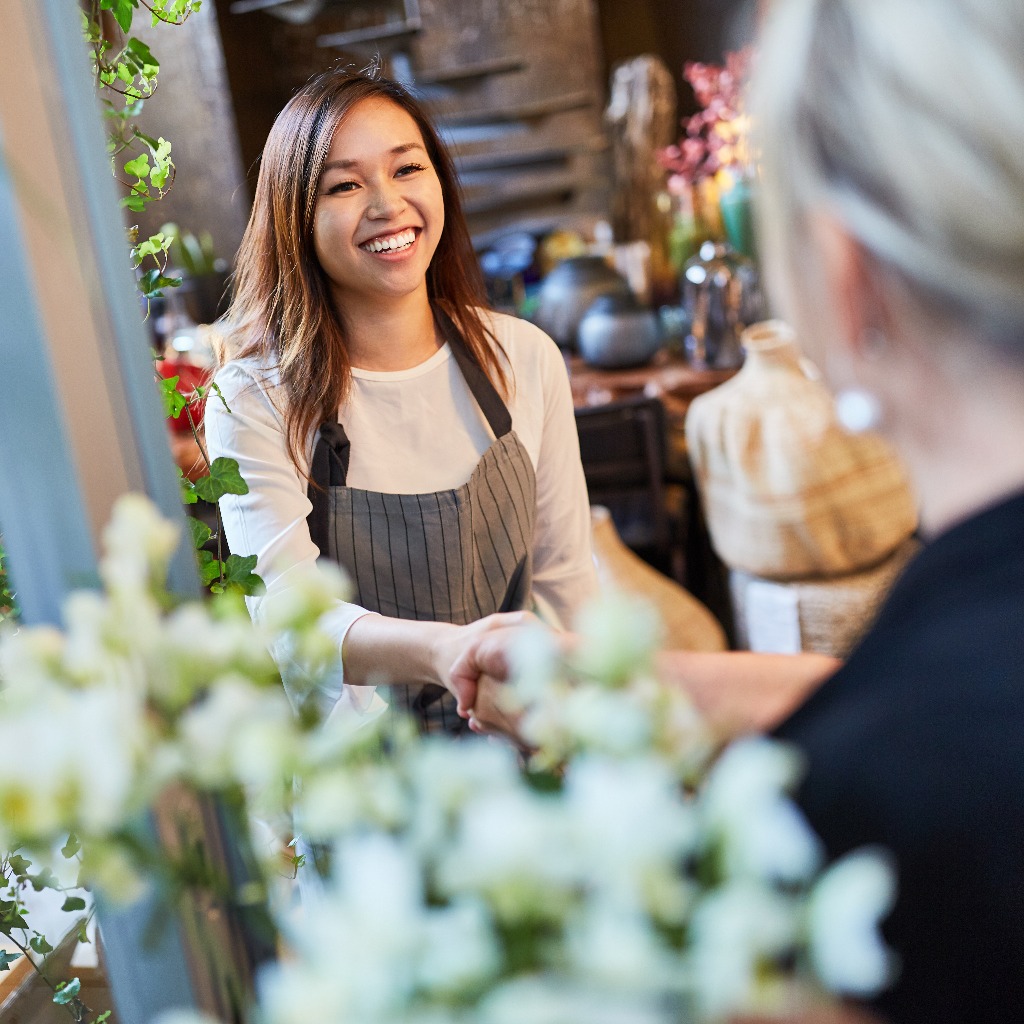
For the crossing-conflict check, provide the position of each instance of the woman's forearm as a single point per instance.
(740, 692)
(379, 649)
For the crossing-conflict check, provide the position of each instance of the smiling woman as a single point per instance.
(384, 418)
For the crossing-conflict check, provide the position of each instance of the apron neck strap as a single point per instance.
(499, 419)
(331, 454)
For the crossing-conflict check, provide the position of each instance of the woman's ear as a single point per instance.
(859, 310)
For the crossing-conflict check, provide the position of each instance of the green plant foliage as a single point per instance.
(224, 478)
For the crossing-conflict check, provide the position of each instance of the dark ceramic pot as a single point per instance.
(616, 331)
(569, 291)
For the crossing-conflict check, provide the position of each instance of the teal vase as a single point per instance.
(737, 216)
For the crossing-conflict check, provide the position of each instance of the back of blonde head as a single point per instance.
(905, 118)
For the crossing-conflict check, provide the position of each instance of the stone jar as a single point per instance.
(616, 331)
(789, 494)
(569, 291)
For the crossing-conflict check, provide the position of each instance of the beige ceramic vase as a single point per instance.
(689, 626)
(787, 492)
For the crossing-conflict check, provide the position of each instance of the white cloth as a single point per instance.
(413, 431)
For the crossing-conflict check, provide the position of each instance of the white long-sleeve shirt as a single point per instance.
(411, 431)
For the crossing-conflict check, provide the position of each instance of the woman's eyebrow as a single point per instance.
(344, 165)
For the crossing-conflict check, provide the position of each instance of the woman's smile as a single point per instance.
(397, 243)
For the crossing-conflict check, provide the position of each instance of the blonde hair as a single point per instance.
(905, 118)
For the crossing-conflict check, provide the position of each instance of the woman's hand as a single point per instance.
(463, 654)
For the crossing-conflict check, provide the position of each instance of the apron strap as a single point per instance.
(331, 454)
(329, 469)
(499, 419)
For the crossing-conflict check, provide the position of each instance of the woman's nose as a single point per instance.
(385, 201)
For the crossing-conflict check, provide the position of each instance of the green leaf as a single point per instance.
(73, 903)
(224, 478)
(45, 879)
(102, 1017)
(71, 847)
(6, 959)
(12, 916)
(83, 932)
(143, 55)
(209, 567)
(188, 489)
(201, 533)
(152, 281)
(174, 400)
(18, 864)
(67, 992)
(40, 945)
(238, 573)
(122, 11)
(139, 167)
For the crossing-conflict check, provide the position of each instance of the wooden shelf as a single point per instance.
(524, 112)
(469, 72)
(390, 32)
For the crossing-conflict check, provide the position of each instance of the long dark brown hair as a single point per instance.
(282, 311)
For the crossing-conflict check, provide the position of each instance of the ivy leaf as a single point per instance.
(45, 879)
(209, 567)
(139, 167)
(73, 903)
(18, 864)
(142, 55)
(152, 281)
(71, 847)
(12, 916)
(102, 1017)
(122, 11)
(40, 945)
(224, 478)
(201, 533)
(188, 489)
(67, 992)
(174, 400)
(6, 959)
(238, 573)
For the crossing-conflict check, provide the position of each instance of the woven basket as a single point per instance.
(787, 493)
(827, 616)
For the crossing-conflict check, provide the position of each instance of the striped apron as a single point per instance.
(447, 556)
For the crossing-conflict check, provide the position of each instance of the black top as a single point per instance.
(917, 744)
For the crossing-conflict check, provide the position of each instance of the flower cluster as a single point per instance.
(623, 875)
(717, 135)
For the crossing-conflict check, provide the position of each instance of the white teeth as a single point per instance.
(391, 242)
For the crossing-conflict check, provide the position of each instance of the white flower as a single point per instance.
(301, 595)
(616, 946)
(238, 733)
(736, 931)
(745, 809)
(535, 660)
(625, 820)
(137, 546)
(459, 950)
(512, 848)
(846, 906)
(618, 637)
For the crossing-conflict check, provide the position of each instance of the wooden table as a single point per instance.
(668, 376)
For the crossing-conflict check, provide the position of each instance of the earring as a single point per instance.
(858, 410)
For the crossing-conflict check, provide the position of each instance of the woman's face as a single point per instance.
(379, 210)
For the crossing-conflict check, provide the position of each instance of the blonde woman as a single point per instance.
(892, 217)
